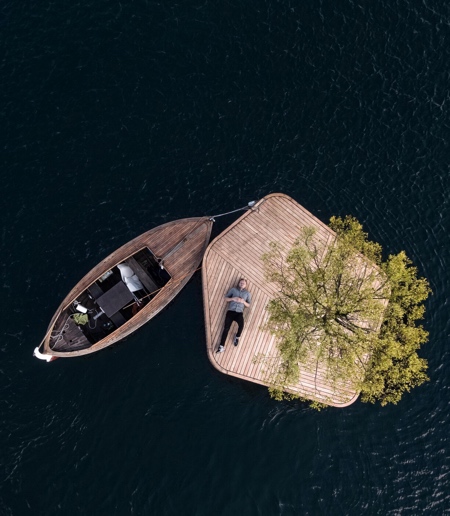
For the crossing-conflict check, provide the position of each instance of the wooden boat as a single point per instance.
(126, 289)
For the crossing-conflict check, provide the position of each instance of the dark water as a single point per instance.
(118, 117)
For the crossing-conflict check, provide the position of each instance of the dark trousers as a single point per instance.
(229, 319)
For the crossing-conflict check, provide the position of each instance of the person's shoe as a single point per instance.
(236, 341)
(220, 349)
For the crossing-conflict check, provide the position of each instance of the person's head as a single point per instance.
(242, 283)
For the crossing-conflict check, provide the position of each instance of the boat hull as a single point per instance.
(177, 246)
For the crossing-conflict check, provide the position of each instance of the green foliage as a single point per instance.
(278, 394)
(351, 231)
(395, 367)
(331, 315)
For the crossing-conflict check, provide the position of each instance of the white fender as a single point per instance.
(41, 356)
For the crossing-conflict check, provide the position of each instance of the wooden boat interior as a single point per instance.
(108, 303)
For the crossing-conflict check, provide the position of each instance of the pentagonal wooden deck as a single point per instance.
(237, 252)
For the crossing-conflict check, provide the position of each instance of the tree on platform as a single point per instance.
(343, 311)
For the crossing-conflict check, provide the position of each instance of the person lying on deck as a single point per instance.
(238, 298)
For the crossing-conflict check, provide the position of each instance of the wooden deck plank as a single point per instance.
(290, 221)
(301, 213)
(262, 345)
(218, 269)
(254, 333)
(215, 279)
(218, 302)
(248, 228)
(237, 252)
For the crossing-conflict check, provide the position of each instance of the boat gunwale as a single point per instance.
(176, 283)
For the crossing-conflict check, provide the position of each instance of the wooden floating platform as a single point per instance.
(237, 252)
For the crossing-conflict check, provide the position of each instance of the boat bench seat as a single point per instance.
(140, 272)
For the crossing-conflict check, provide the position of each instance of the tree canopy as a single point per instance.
(343, 309)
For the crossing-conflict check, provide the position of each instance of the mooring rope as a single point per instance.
(248, 207)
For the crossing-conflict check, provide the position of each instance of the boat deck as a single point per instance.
(237, 252)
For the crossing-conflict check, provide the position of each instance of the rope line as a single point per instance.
(248, 207)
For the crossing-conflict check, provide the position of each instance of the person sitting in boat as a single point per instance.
(131, 280)
(238, 298)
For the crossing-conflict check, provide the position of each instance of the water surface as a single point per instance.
(117, 118)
